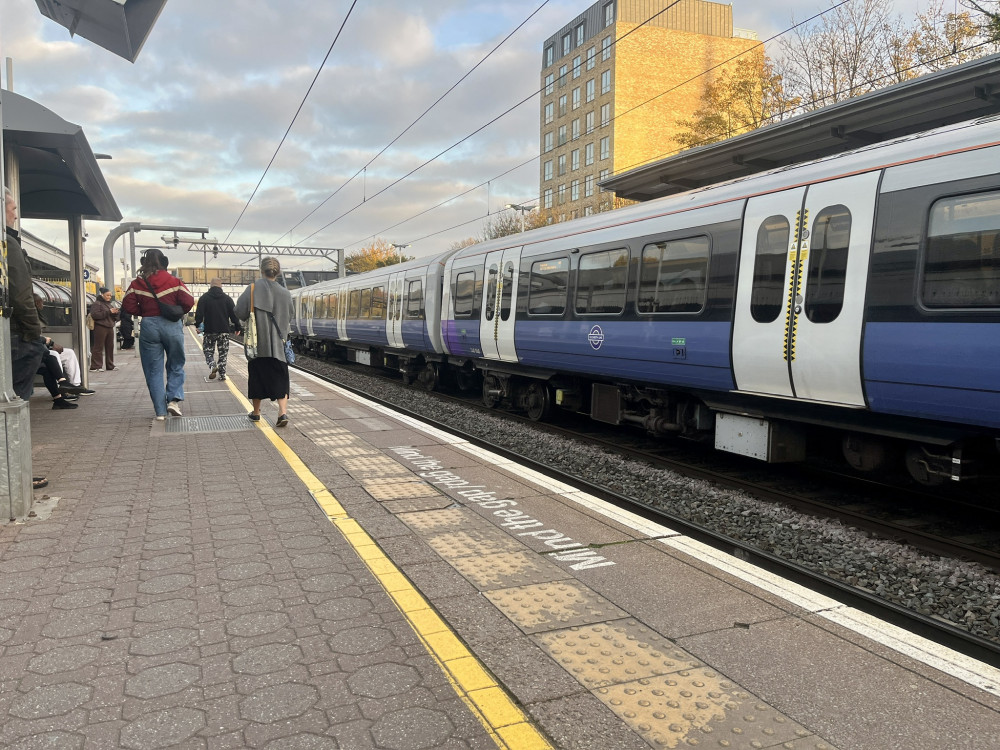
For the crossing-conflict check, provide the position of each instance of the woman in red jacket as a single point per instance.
(160, 340)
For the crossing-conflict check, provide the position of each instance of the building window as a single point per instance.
(561, 140)
(591, 58)
(606, 147)
(609, 14)
(588, 210)
(562, 76)
(549, 52)
(547, 170)
(562, 105)
(576, 66)
(602, 176)
(588, 154)
(574, 159)
(550, 80)
(576, 98)
(574, 190)
(562, 194)
(562, 164)
(547, 198)
(575, 129)
(566, 42)
(547, 141)
(579, 35)
(550, 112)
(590, 90)
(589, 120)
(605, 115)
(606, 48)
(588, 186)
(605, 81)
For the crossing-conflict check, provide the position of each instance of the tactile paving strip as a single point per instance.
(610, 653)
(382, 490)
(700, 708)
(508, 569)
(214, 423)
(440, 520)
(374, 465)
(547, 606)
(466, 542)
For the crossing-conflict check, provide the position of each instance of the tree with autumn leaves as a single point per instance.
(376, 255)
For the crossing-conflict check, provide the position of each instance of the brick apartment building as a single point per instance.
(596, 113)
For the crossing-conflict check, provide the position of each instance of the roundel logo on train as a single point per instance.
(596, 337)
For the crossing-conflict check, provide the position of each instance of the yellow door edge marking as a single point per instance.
(496, 710)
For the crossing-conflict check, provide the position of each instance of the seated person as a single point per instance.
(55, 382)
(68, 362)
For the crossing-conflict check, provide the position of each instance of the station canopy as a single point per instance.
(119, 26)
(59, 175)
(956, 94)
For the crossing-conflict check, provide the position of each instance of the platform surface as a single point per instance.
(357, 580)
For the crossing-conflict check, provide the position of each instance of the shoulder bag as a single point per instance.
(170, 312)
(289, 351)
(90, 322)
(250, 331)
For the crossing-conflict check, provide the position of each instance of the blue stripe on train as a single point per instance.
(946, 371)
(683, 353)
(462, 337)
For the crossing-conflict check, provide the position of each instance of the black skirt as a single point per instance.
(268, 378)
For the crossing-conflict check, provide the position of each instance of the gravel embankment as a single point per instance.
(966, 594)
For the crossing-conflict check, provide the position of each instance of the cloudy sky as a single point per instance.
(194, 122)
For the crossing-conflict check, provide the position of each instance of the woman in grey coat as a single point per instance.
(272, 310)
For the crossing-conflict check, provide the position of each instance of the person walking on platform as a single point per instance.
(217, 312)
(272, 311)
(161, 341)
(104, 311)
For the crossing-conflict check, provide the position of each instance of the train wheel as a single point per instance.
(492, 392)
(923, 466)
(538, 401)
(429, 378)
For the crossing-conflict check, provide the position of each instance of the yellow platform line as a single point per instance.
(503, 720)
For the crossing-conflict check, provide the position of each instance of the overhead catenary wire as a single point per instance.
(419, 118)
(666, 154)
(294, 118)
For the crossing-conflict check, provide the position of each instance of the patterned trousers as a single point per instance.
(208, 345)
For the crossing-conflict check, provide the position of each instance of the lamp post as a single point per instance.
(523, 209)
(399, 250)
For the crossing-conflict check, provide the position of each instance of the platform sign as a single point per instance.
(86, 274)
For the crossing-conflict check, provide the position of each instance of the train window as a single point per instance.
(415, 300)
(332, 307)
(828, 246)
(354, 306)
(600, 282)
(506, 291)
(962, 263)
(491, 292)
(366, 303)
(465, 293)
(547, 287)
(768, 293)
(378, 302)
(672, 276)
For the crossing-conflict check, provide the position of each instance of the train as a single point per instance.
(849, 301)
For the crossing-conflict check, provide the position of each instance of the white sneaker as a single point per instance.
(174, 407)
(160, 418)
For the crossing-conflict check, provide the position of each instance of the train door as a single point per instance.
(394, 323)
(341, 313)
(496, 322)
(309, 303)
(801, 291)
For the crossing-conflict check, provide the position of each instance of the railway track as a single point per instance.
(831, 496)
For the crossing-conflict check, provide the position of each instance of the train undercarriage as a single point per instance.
(773, 435)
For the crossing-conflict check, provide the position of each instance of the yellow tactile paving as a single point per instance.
(495, 709)
(548, 606)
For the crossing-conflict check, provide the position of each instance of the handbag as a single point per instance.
(168, 311)
(289, 351)
(90, 322)
(250, 332)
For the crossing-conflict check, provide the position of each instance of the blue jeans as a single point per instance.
(159, 338)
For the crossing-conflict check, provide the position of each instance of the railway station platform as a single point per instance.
(359, 580)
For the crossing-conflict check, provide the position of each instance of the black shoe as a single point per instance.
(282, 421)
(253, 417)
(79, 390)
(62, 403)
(69, 396)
